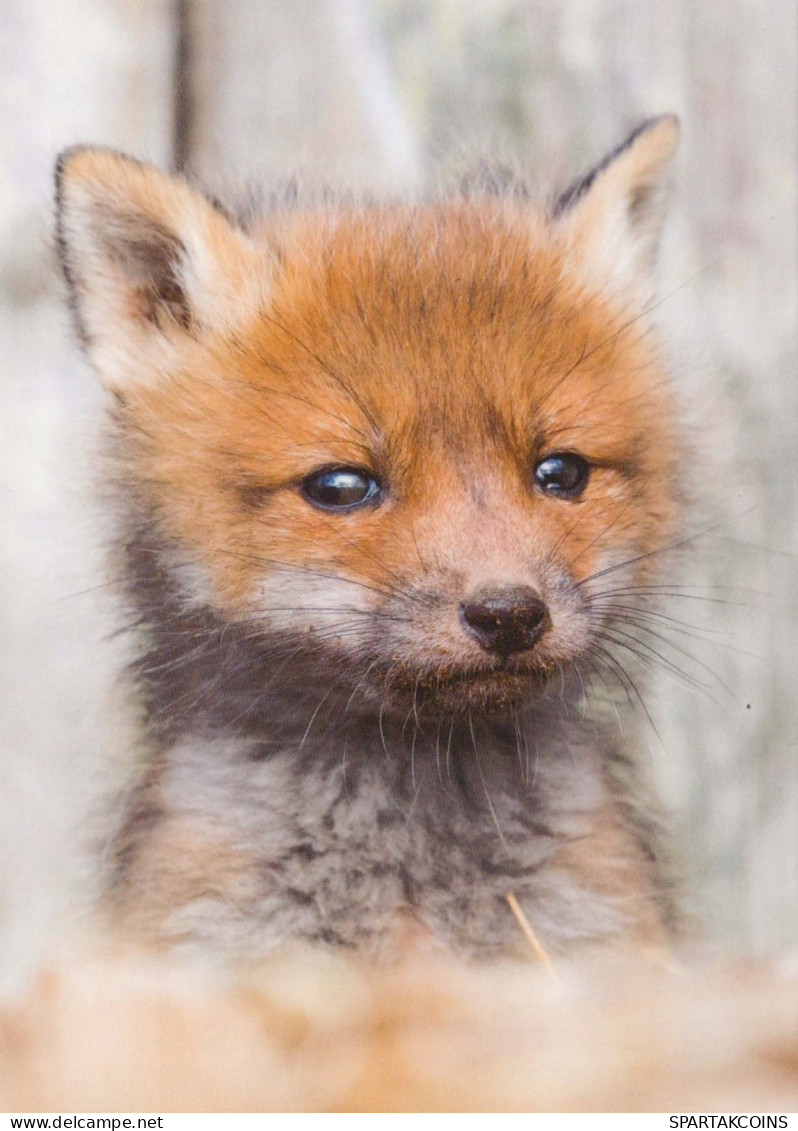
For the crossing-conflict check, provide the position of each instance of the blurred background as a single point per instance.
(386, 96)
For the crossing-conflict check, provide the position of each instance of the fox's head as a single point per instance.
(431, 445)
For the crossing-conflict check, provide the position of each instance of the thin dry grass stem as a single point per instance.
(530, 936)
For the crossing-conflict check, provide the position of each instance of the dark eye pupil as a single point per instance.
(339, 487)
(564, 474)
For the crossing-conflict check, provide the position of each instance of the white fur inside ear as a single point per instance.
(612, 219)
(151, 264)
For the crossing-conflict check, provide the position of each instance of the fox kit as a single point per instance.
(391, 483)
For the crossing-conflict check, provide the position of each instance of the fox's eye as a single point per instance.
(564, 474)
(340, 488)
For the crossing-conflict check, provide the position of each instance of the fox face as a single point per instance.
(419, 450)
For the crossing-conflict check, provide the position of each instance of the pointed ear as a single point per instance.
(149, 262)
(612, 217)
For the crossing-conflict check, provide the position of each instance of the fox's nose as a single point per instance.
(505, 618)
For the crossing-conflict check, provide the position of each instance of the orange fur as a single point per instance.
(260, 406)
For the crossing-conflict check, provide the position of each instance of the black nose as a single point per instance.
(505, 618)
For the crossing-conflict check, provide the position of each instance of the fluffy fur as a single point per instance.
(326, 749)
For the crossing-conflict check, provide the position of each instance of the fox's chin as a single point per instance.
(453, 691)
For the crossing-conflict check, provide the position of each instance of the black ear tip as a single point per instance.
(661, 135)
(64, 161)
(656, 120)
(669, 116)
(668, 123)
(667, 126)
(96, 160)
(658, 135)
(65, 158)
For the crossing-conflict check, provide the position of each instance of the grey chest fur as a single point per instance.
(337, 850)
